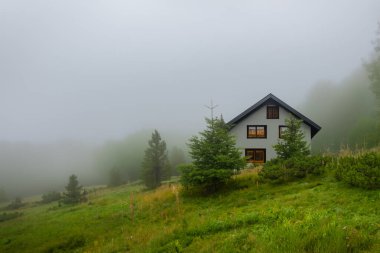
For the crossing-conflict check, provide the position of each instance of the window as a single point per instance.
(255, 155)
(272, 112)
(256, 131)
(281, 130)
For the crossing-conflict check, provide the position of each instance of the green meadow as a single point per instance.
(312, 215)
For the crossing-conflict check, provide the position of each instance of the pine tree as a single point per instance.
(292, 142)
(215, 157)
(73, 192)
(156, 164)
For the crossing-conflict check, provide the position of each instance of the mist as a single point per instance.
(346, 111)
(83, 84)
(29, 168)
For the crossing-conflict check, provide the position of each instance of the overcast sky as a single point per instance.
(94, 70)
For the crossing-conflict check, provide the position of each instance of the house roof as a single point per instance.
(270, 98)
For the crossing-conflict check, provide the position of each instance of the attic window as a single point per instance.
(272, 112)
(256, 131)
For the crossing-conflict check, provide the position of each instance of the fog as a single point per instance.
(77, 77)
(347, 113)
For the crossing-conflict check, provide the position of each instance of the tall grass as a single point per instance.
(312, 215)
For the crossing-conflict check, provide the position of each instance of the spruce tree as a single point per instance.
(73, 192)
(156, 164)
(292, 142)
(215, 157)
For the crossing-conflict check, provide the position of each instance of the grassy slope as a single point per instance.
(316, 215)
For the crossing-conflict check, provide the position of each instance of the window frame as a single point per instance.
(278, 111)
(257, 137)
(279, 130)
(249, 160)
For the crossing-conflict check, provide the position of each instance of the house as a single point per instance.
(259, 127)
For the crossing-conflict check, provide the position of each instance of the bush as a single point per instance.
(51, 196)
(283, 170)
(9, 216)
(16, 204)
(361, 171)
(209, 180)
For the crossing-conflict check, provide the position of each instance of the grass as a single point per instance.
(313, 215)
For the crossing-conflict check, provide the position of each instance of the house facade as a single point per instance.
(259, 127)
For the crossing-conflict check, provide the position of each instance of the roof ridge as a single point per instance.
(314, 126)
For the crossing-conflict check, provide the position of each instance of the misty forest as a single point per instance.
(120, 126)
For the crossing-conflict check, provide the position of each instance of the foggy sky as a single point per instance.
(94, 70)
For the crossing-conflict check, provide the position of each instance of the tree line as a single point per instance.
(348, 111)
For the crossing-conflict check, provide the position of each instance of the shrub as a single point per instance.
(51, 196)
(16, 204)
(361, 171)
(9, 216)
(283, 170)
(209, 180)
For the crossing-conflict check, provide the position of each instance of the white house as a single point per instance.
(259, 127)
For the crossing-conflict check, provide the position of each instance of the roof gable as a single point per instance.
(272, 99)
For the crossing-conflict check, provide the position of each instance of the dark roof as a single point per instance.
(275, 100)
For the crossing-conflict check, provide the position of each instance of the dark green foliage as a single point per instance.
(362, 171)
(15, 204)
(293, 161)
(115, 178)
(284, 170)
(193, 176)
(72, 243)
(293, 142)
(51, 196)
(73, 192)
(215, 157)
(9, 216)
(156, 164)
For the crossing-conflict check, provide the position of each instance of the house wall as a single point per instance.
(260, 118)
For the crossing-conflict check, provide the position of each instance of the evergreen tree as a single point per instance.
(73, 192)
(156, 164)
(215, 157)
(292, 143)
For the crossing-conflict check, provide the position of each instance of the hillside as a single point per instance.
(314, 215)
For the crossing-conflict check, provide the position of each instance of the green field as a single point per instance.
(313, 215)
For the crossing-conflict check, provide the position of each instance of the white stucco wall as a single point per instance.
(260, 118)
